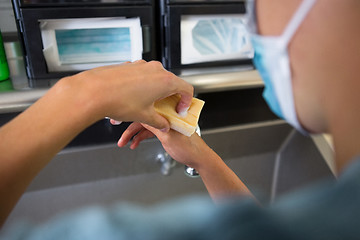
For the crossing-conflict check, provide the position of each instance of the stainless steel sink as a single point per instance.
(270, 157)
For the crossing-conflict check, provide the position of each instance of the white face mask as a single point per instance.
(272, 61)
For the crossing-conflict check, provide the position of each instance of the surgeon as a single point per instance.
(308, 54)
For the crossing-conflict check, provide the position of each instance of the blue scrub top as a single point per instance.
(329, 210)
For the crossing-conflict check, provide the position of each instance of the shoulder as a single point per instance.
(328, 210)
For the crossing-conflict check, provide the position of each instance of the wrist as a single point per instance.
(76, 99)
(209, 162)
(205, 157)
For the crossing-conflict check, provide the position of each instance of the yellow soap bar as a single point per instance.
(183, 124)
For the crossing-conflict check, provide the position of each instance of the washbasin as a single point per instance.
(270, 157)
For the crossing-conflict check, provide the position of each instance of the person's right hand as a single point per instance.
(218, 178)
(127, 92)
(190, 151)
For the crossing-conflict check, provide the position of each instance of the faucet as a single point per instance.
(167, 163)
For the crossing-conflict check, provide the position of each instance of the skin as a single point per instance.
(324, 58)
(74, 103)
(324, 55)
(219, 179)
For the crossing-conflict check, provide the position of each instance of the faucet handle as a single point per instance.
(191, 172)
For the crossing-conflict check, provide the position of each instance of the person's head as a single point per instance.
(324, 57)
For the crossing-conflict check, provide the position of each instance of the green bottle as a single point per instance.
(4, 67)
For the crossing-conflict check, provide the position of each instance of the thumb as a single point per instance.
(184, 103)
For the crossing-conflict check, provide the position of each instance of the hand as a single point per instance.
(127, 92)
(186, 150)
(218, 178)
(137, 132)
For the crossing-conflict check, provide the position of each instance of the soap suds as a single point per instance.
(184, 112)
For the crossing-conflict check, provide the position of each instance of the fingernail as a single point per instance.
(116, 122)
(133, 146)
(119, 143)
(165, 130)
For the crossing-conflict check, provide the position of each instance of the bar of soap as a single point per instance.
(183, 123)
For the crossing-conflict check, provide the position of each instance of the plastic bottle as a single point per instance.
(4, 67)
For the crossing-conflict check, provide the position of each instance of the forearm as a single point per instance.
(119, 91)
(219, 179)
(32, 139)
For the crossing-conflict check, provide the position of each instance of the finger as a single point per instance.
(142, 135)
(184, 105)
(132, 130)
(186, 98)
(115, 122)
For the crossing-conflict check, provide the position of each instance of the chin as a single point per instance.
(314, 128)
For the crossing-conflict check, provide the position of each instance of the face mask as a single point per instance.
(272, 62)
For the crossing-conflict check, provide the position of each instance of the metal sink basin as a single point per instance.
(270, 157)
